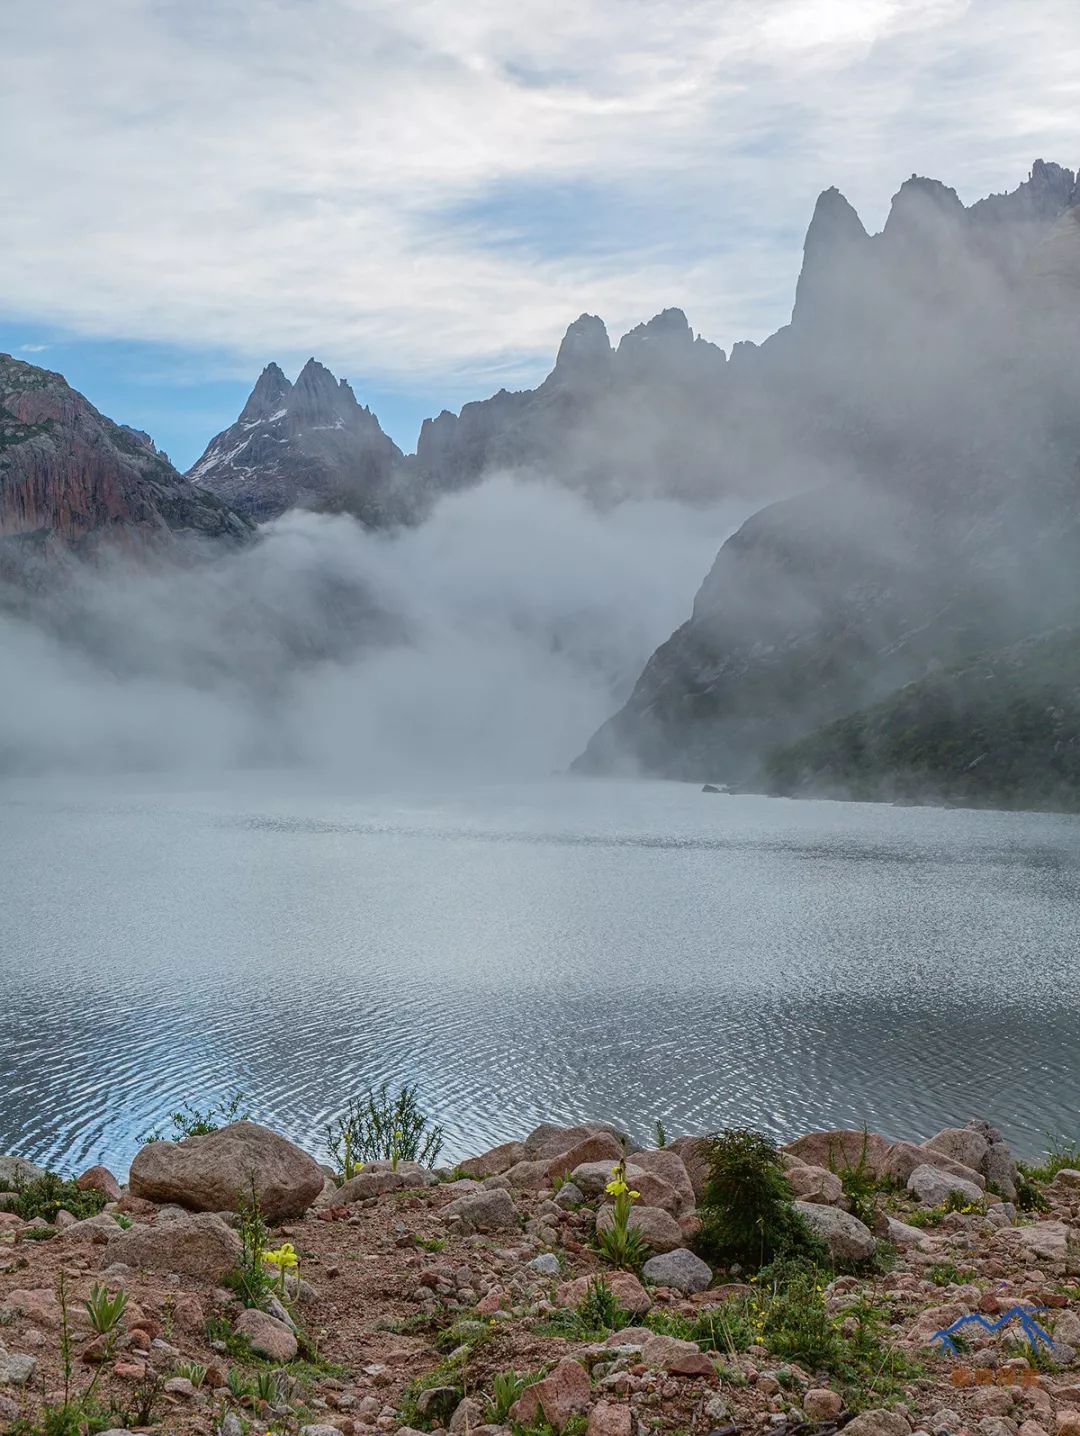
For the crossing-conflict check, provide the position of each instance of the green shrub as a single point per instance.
(249, 1279)
(47, 1195)
(746, 1211)
(378, 1127)
(190, 1121)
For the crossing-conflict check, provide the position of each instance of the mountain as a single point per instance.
(70, 476)
(304, 445)
(928, 389)
(637, 418)
(1001, 730)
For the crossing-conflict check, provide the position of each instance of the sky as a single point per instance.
(423, 194)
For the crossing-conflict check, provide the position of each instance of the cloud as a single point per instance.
(33, 348)
(490, 641)
(328, 175)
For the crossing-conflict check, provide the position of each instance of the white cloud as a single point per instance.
(33, 348)
(280, 178)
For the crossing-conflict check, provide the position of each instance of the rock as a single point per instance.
(847, 1238)
(1067, 1329)
(592, 1178)
(468, 1415)
(92, 1229)
(671, 1168)
(625, 1287)
(494, 1162)
(997, 1426)
(815, 1184)
(180, 1386)
(934, 1186)
(528, 1176)
(657, 1228)
(679, 1269)
(1068, 1178)
(556, 1140)
(821, 1404)
(842, 1147)
(266, 1335)
(610, 1418)
(1044, 1241)
(546, 1264)
(668, 1353)
(38, 1305)
(217, 1172)
(1068, 1422)
(878, 1423)
(484, 1211)
(319, 1430)
(904, 1236)
(904, 1157)
(962, 1144)
(564, 1392)
(99, 1179)
(597, 1147)
(569, 1195)
(412, 1173)
(437, 1403)
(199, 1245)
(17, 1171)
(693, 1152)
(362, 1187)
(16, 1369)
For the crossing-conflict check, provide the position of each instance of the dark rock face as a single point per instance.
(304, 445)
(70, 476)
(641, 418)
(930, 377)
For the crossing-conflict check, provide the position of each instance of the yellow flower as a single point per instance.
(284, 1258)
(617, 1187)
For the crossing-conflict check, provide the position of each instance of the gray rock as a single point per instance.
(16, 1369)
(483, 1211)
(933, 1186)
(1067, 1328)
(657, 1229)
(902, 1235)
(547, 1264)
(846, 1237)
(198, 1245)
(266, 1335)
(878, 1423)
(679, 1269)
(17, 1170)
(437, 1403)
(962, 1144)
(570, 1195)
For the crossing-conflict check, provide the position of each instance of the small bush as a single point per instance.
(620, 1244)
(378, 1127)
(249, 1279)
(190, 1121)
(746, 1212)
(506, 1387)
(47, 1195)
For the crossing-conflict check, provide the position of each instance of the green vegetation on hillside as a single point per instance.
(1002, 730)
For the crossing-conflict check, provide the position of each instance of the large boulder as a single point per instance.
(693, 1152)
(266, 1336)
(494, 1162)
(815, 1184)
(596, 1147)
(962, 1144)
(364, 1185)
(200, 1246)
(671, 1168)
(935, 1187)
(593, 1177)
(842, 1147)
(564, 1393)
(679, 1269)
(657, 1229)
(218, 1172)
(17, 1171)
(904, 1157)
(847, 1238)
(625, 1287)
(490, 1210)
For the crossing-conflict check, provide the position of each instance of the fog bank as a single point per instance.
(491, 641)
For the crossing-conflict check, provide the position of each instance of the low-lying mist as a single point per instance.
(489, 642)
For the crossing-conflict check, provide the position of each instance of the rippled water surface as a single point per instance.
(627, 950)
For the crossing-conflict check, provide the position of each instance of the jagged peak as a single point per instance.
(585, 346)
(922, 204)
(834, 218)
(270, 389)
(670, 326)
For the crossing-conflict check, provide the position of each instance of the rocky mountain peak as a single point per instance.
(921, 209)
(269, 394)
(585, 349)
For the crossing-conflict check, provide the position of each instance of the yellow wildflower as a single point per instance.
(284, 1258)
